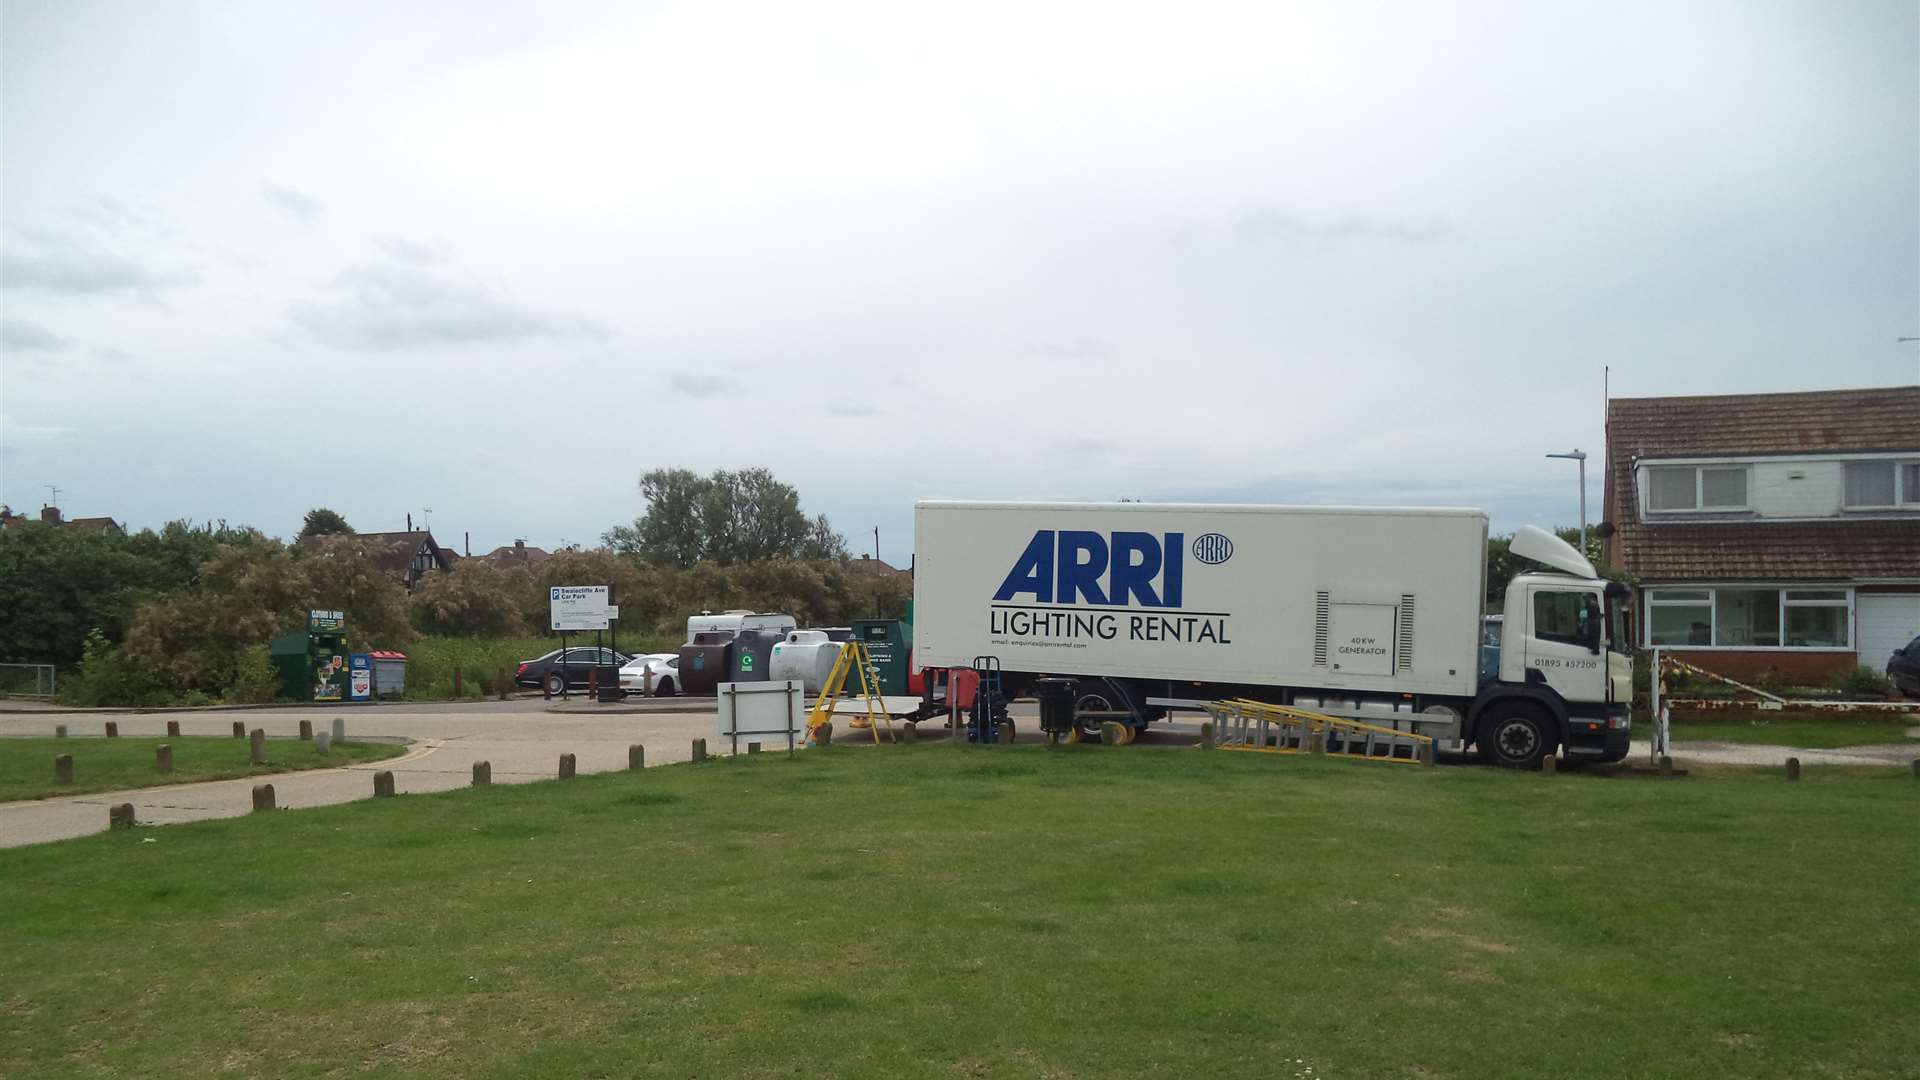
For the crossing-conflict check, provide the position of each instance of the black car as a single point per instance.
(562, 668)
(1904, 669)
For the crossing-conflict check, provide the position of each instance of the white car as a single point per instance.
(665, 668)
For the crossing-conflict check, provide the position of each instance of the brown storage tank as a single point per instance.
(706, 662)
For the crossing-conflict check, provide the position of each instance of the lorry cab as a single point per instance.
(1565, 671)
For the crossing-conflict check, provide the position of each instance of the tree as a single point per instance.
(729, 518)
(473, 598)
(321, 521)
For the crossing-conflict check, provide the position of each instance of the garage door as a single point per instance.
(1887, 622)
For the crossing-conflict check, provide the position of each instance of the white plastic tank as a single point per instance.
(807, 655)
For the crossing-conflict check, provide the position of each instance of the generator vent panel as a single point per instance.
(1322, 616)
(1405, 634)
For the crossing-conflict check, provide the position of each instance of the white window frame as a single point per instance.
(1902, 498)
(1700, 487)
(1650, 598)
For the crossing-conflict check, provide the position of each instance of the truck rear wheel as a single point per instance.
(1514, 736)
(1090, 701)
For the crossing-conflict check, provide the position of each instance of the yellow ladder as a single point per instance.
(853, 658)
(1260, 727)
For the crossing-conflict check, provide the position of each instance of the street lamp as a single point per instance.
(1581, 457)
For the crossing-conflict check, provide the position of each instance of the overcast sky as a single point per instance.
(260, 257)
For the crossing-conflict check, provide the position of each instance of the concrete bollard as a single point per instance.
(173, 729)
(1004, 733)
(306, 730)
(823, 734)
(636, 756)
(1550, 764)
(1206, 735)
(699, 750)
(1426, 753)
(482, 773)
(120, 816)
(163, 757)
(1317, 743)
(1793, 768)
(753, 748)
(566, 766)
(1666, 765)
(323, 743)
(262, 797)
(257, 746)
(239, 730)
(339, 729)
(63, 769)
(382, 784)
(59, 731)
(113, 730)
(1916, 768)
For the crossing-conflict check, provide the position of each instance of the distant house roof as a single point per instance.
(1818, 422)
(406, 555)
(867, 564)
(516, 555)
(50, 515)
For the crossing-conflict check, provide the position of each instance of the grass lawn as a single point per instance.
(26, 765)
(1807, 730)
(954, 911)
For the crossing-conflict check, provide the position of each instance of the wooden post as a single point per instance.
(909, 731)
(306, 730)
(59, 731)
(1550, 764)
(120, 816)
(163, 757)
(593, 684)
(1426, 753)
(1793, 768)
(456, 681)
(636, 756)
(482, 773)
(699, 750)
(383, 784)
(173, 729)
(1206, 735)
(262, 797)
(113, 730)
(239, 730)
(505, 684)
(257, 746)
(63, 769)
(1318, 743)
(566, 766)
(753, 748)
(1666, 765)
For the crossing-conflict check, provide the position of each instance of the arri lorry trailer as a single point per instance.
(1369, 613)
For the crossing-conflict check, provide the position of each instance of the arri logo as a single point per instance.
(1213, 549)
(1079, 567)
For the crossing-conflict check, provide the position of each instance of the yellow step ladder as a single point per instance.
(1259, 727)
(853, 659)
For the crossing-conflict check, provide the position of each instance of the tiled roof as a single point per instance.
(1820, 422)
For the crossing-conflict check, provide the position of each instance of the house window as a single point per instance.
(1751, 618)
(1882, 484)
(1697, 487)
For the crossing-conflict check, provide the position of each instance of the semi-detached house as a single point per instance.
(1769, 533)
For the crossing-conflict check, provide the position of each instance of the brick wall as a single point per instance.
(1805, 668)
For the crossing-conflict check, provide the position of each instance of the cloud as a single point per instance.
(378, 307)
(23, 336)
(80, 268)
(13, 432)
(852, 407)
(1085, 348)
(297, 205)
(411, 251)
(681, 384)
(1265, 225)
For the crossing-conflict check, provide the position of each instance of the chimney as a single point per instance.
(50, 514)
(466, 544)
(520, 547)
(409, 521)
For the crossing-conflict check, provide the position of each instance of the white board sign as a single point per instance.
(580, 607)
(769, 713)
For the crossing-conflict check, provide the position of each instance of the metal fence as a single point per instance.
(26, 681)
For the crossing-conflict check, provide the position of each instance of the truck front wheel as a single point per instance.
(1514, 736)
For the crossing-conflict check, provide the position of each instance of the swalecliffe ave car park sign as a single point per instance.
(581, 607)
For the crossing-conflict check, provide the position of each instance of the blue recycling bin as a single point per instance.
(359, 677)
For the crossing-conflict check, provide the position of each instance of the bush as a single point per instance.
(1862, 682)
(107, 676)
(255, 681)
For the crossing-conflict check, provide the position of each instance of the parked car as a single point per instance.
(562, 668)
(666, 672)
(1904, 669)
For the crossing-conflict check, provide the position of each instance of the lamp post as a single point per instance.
(1581, 457)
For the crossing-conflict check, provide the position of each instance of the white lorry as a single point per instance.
(1368, 613)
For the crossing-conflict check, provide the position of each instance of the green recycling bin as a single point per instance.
(888, 641)
(313, 663)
